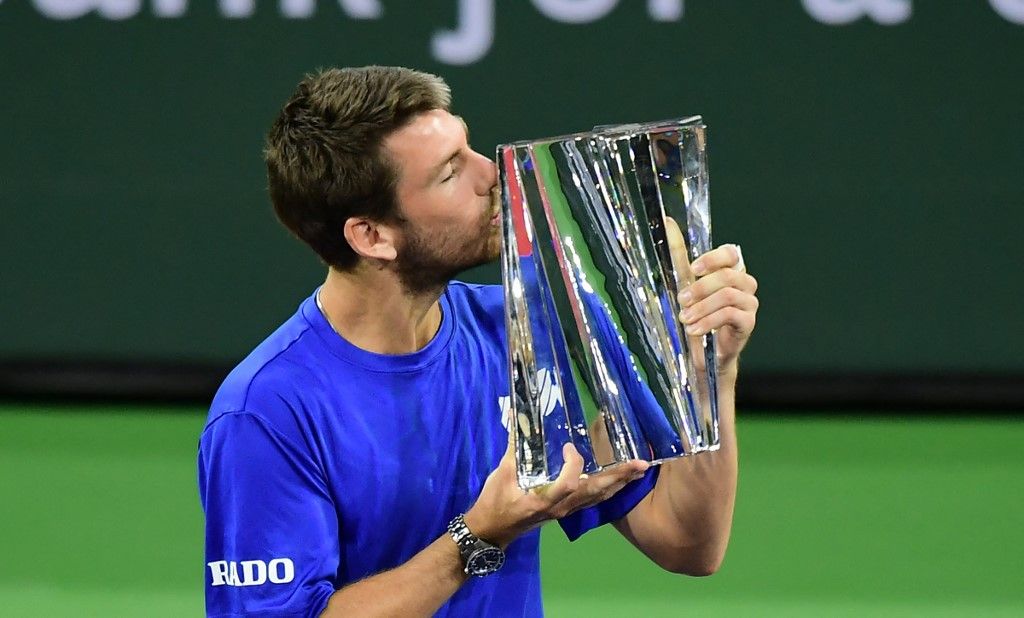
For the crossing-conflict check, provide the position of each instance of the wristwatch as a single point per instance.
(479, 558)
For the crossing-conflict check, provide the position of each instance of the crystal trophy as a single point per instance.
(597, 356)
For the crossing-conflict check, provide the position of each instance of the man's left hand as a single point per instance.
(722, 298)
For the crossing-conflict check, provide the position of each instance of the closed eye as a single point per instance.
(451, 175)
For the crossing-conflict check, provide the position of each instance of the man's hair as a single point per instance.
(325, 156)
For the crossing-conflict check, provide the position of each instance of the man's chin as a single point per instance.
(487, 257)
(490, 251)
(423, 271)
(483, 260)
(493, 249)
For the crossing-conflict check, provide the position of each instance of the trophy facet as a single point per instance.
(597, 356)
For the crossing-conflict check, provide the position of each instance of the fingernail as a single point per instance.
(687, 315)
(693, 329)
(698, 268)
(739, 258)
(685, 296)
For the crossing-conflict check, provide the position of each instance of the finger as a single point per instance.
(623, 472)
(677, 249)
(568, 480)
(720, 279)
(601, 446)
(512, 423)
(740, 265)
(509, 457)
(725, 297)
(507, 470)
(608, 482)
(742, 322)
(726, 256)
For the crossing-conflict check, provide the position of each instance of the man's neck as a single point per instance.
(372, 311)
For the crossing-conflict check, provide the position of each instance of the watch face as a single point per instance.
(485, 561)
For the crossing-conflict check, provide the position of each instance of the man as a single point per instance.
(355, 463)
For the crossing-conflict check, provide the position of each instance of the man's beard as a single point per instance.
(428, 261)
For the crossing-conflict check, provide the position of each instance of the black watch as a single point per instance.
(478, 556)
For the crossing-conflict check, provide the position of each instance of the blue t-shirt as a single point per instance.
(322, 464)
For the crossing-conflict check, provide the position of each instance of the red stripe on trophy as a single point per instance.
(516, 202)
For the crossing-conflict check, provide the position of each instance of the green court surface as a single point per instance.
(99, 516)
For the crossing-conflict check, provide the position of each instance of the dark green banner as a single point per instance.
(866, 154)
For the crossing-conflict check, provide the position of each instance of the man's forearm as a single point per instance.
(701, 490)
(685, 522)
(417, 588)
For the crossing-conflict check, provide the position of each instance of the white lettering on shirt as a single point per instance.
(251, 572)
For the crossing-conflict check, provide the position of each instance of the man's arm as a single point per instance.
(683, 524)
(264, 500)
(417, 588)
(501, 513)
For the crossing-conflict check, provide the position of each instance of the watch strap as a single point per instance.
(462, 535)
(472, 548)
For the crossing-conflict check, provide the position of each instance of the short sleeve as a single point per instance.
(271, 526)
(612, 509)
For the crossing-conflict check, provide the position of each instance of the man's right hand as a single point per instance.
(504, 511)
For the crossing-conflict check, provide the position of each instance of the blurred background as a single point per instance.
(865, 153)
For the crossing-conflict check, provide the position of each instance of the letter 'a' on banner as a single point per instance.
(597, 356)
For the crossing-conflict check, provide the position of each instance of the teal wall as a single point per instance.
(872, 171)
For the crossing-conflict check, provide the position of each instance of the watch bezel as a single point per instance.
(493, 559)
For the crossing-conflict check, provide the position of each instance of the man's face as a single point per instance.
(447, 194)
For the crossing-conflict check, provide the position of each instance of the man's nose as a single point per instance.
(489, 177)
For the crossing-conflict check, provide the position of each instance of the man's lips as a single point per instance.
(496, 205)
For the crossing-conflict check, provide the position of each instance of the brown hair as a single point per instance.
(325, 156)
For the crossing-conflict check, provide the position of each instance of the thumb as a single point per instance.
(508, 459)
(677, 248)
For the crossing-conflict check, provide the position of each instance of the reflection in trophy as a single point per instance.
(597, 356)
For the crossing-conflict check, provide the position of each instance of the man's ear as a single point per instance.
(371, 239)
